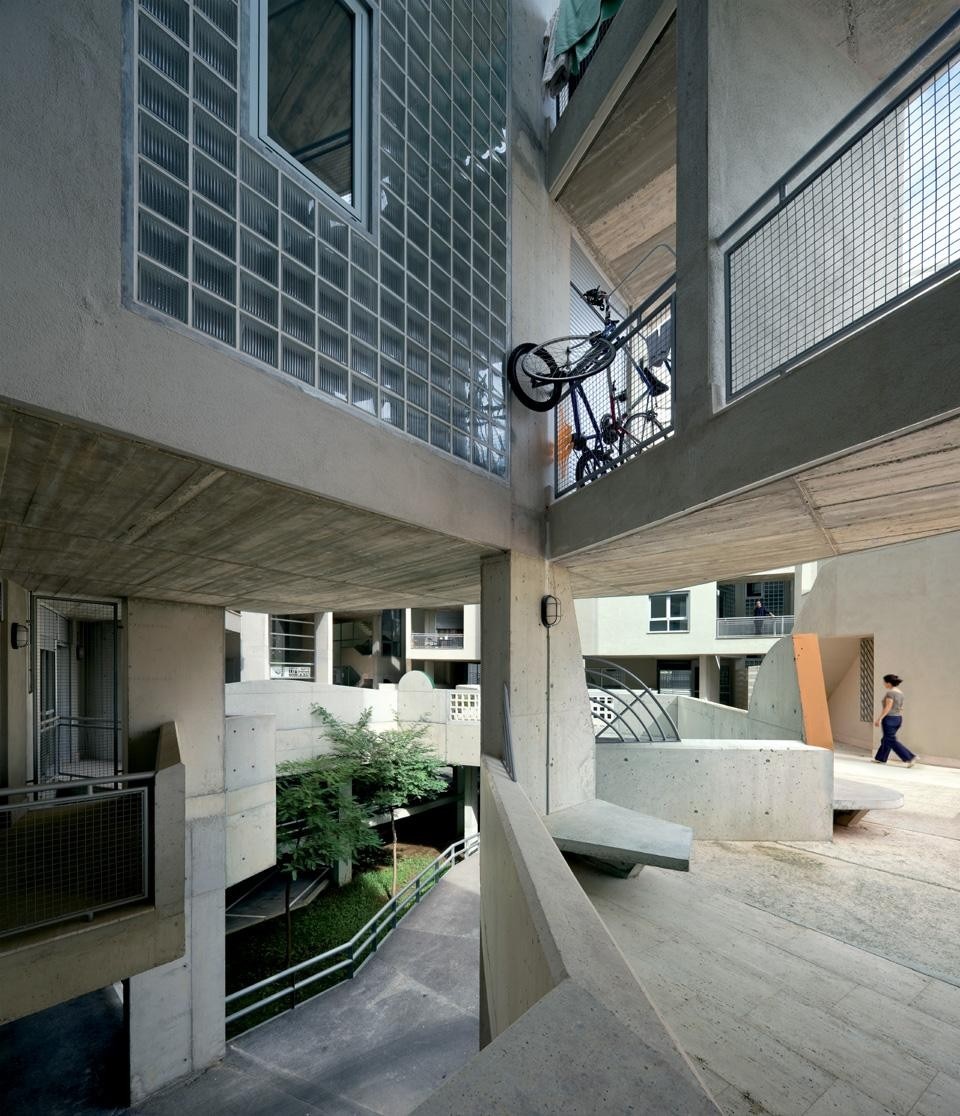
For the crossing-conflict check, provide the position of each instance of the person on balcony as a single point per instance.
(890, 719)
(759, 612)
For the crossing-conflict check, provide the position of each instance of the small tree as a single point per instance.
(390, 767)
(319, 822)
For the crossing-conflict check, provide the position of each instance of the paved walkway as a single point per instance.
(381, 1043)
(812, 978)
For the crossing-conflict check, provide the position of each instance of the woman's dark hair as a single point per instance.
(893, 679)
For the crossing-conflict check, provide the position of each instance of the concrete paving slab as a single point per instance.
(604, 831)
(850, 794)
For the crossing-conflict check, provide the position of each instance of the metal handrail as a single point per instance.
(771, 626)
(779, 188)
(102, 780)
(362, 941)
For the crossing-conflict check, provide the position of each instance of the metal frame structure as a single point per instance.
(355, 953)
(780, 196)
(627, 703)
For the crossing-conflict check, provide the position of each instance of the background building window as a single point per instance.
(292, 644)
(669, 612)
(314, 88)
(866, 679)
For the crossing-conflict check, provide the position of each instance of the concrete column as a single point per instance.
(553, 743)
(16, 744)
(709, 678)
(468, 802)
(323, 647)
(175, 673)
(254, 646)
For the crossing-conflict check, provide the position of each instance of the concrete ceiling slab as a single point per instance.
(88, 513)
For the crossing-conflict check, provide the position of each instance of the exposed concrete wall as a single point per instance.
(706, 720)
(906, 597)
(16, 745)
(725, 790)
(254, 646)
(549, 710)
(250, 799)
(844, 699)
(175, 673)
(323, 648)
(549, 964)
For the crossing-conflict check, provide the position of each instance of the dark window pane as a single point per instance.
(310, 87)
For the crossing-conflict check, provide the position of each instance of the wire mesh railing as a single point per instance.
(866, 229)
(318, 974)
(69, 850)
(618, 417)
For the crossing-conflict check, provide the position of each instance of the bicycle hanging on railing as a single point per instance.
(542, 375)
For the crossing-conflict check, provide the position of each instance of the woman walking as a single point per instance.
(891, 719)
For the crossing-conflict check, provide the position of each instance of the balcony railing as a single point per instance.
(845, 239)
(69, 850)
(754, 627)
(563, 97)
(436, 642)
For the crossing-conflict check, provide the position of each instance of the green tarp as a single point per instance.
(578, 23)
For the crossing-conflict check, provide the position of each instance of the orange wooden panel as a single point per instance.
(813, 692)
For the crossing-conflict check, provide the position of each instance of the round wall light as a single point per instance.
(549, 611)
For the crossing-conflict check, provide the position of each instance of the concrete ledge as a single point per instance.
(726, 790)
(570, 1029)
(851, 800)
(615, 836)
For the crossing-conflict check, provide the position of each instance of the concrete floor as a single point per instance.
(812, 978)
(378, 1044)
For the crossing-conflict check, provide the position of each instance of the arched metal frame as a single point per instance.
(636, 714)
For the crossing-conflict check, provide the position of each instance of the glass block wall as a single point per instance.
(407, 322)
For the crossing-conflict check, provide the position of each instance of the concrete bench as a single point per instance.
(851, 800)
(619, 841)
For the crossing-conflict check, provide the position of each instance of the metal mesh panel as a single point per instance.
(64, 857)
(406, 321)
(75, 689)
(880, 220)
(866, 679)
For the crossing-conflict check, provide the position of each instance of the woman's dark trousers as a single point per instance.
(889, 742)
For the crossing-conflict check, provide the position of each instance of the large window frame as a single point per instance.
(669, 620)
(359, 210)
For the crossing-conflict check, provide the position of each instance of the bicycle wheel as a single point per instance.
(641, 429)
(533, 391)
(590, 466)
(568, 358)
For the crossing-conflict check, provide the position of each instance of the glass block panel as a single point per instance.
(164, 100)
(417, 328)
(440, 252)
(417, 167)
(417, 423)
(440, 374)
(364, 290)
(461, 330)
(498, 304)
(258, 299)
(392, 74)
(332, 342)
(363, 360)
(163, 243)
(440, 435)
(480, 455)
(217, 141)
(215, 95)
(440, 404)
(259, 257)
(258, 173)
(165, 148)
(461, 417)
(461, 445)
(164, 196)
(297, 321)
(258, 341)
(258, 214)
(214, 317)
(331, 267)
(391, 175)
(419, 106)
(440, 285)
(393, 110)
(418, 361)
(162, 291)
(363, 325)
(363, 254)
(301, 207)
(363, 395)
(214, 183)
(173, 14)
(498, 464)
(419, 201)
(331, 379)
(391, 209)
(297, 361)
(461, 300)
(439, 343)
(417, 72)
(298, 243)
(218, 53)
(418, 296)
(392, 343)
(391, 376)
(221, 13)
(392, 41)
(332, 304)
(392, 277)
(297, 282)
(391, 410)
(214, 228)
(164, 52)
(395, 11)
(215, 273)
(392, 243)
(461, 388)
(393, 310)
(418, 263)
(418, 391)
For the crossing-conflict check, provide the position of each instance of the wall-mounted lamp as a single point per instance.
(19, 636)
(549, 611)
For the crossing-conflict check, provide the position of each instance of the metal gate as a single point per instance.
(76, 708)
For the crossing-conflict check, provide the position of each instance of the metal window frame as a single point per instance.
(668, 618)
(359, 211)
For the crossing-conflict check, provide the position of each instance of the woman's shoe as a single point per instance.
(910, 763)
(878, 761)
